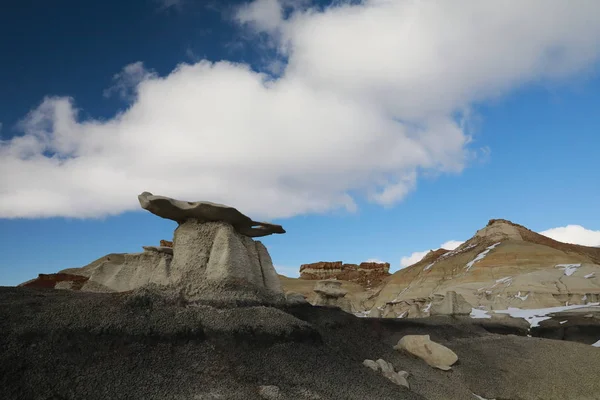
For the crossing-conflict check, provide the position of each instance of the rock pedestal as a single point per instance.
(212, 258)
(215, 258)
(211, 261)
(330, 294)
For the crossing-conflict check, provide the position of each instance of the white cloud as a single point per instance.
(126, 82)
(451, 244)
(575, 234)
(413, 258)
(366, 101)
(375, 260)
(418, 255)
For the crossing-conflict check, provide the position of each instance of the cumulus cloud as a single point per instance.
(125, 83)
(365, 102)
(575, 234)
(418, 255)
(413, 258)
(451, 244)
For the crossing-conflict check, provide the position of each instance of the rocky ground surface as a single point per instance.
(59, 344)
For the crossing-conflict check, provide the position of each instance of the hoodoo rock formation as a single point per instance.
(331, 294)
(212, 258)
(367, 274)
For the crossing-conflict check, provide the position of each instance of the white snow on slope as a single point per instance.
(477, 313)
(481, 398)
(597, 344)
(518, 296)
(568, 268)
(481, 256)
(428, 267)
(535, 316)
(588, 276)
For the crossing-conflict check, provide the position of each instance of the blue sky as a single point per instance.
(377, 130)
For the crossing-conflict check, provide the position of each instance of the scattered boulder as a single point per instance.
(371, 364)
(295, 298)
(432, 353)
(330, 294)
(450, 304)
(270, 392)
(387, 369)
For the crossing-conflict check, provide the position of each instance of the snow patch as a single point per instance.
(535, 316)
(427, 307)
(399, 294)
(568, 268)
(518, 296)
(597, 344)
(504, 280)
(457, 251)
(403, 314)
(562, 322)
(588, 276)
(481, 398)
(476, 313)
(427, 268)
(481, 256)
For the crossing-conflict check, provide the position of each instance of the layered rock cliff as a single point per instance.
(367, 274)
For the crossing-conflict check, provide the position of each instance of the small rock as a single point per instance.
(385, 366)
(432, 353)
(269, 392)
(399, 379)
(295, 298)
(403, 374)
(371, 364)
(65, 285)
(375, 313)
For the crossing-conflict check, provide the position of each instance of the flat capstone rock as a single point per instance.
(206, 211)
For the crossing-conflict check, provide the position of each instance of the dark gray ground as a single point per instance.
(71, 345)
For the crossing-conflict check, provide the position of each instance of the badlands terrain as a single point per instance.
(509, 315)
(504, 268)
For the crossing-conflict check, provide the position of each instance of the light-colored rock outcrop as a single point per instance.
(331, 294)
(387, 369)
(270, 392)
(205, 211)
(450, 304)
(295, 298)
(434, 354)
(159, 249)
(212, 258)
